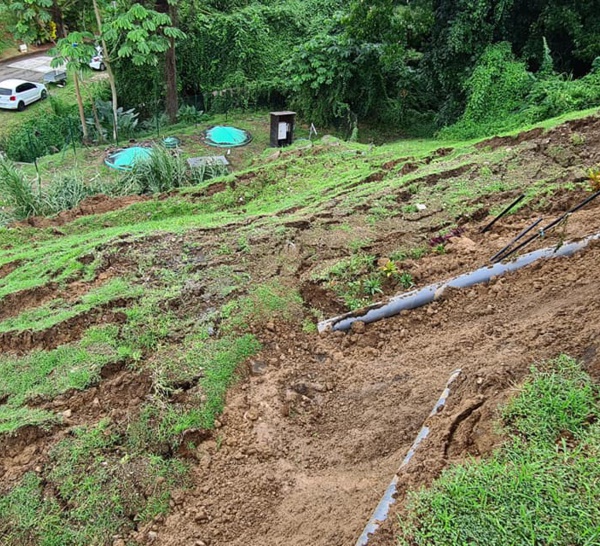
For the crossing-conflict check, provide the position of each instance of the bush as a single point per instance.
(40, 136)
(66, 192)
(162, 171)
(503, 96)
(17, 192)
(189, 114)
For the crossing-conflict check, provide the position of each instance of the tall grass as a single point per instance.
(17, 192)
(161, 171)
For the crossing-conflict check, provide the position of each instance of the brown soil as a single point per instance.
(310, 443)
(97, 204)
(8, 268)
(17, 302)
(118, 395)
(67, 331)
(314, 432)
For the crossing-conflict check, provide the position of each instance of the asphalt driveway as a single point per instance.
(30, 68)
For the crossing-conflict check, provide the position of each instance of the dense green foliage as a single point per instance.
(403, 64)
(539, 488)
(467, 67)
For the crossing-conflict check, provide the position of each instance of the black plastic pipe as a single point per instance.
(504, 212)
(497, 257)
(552, 225)
(423, 296)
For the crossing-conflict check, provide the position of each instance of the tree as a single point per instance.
(29, 21)
(139, 34)
(171, 105)
(75, 51)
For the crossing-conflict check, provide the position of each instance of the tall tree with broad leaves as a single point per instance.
(75, 52)
(139, 34)
(29, 21)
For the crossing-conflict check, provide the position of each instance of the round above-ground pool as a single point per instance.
(124, 160)
(226, 137)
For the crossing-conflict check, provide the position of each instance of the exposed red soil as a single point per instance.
(15, 303)
(97, 204)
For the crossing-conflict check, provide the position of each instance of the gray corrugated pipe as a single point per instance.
(381, 512)
(423, 296)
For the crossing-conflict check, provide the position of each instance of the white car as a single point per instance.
(16, 94)
(97, 62)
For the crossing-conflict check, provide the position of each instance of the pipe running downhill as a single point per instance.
(381, 512)
(423, 296)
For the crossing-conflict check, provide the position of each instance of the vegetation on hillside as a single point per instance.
(468, 68)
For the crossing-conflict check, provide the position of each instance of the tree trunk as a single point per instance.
(84, 130)
(57, 16)
(109, 71)
(171, 77)
(170, 63)
(97, 123)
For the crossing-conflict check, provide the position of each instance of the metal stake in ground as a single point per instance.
(552, 225)
(504, 212)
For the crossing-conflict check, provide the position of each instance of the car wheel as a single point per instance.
(21, 106)
(102, 66)
(43, 94)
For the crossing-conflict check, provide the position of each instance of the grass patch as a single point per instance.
(102, 490)
(49, 373)
(541, 487)
(42, 318)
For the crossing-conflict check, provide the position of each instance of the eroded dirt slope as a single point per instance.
(311, 440)
(316, 428)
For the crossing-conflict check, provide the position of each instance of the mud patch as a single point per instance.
(97, 204)
(9, 267)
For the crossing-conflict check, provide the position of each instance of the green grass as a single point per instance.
(101, 489)
(46, 316)
(541, 487)
(46, 374)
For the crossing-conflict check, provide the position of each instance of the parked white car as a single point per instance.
(97, 62)
(16, 94)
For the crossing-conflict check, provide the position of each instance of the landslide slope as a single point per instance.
(161, 378)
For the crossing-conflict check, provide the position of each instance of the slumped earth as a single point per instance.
(122, 329)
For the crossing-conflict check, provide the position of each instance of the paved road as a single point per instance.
(30, 69)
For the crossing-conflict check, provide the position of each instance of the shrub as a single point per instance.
(162, 171)
(189, 114)
(40, 136)
(66, 192)
(17, 191)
